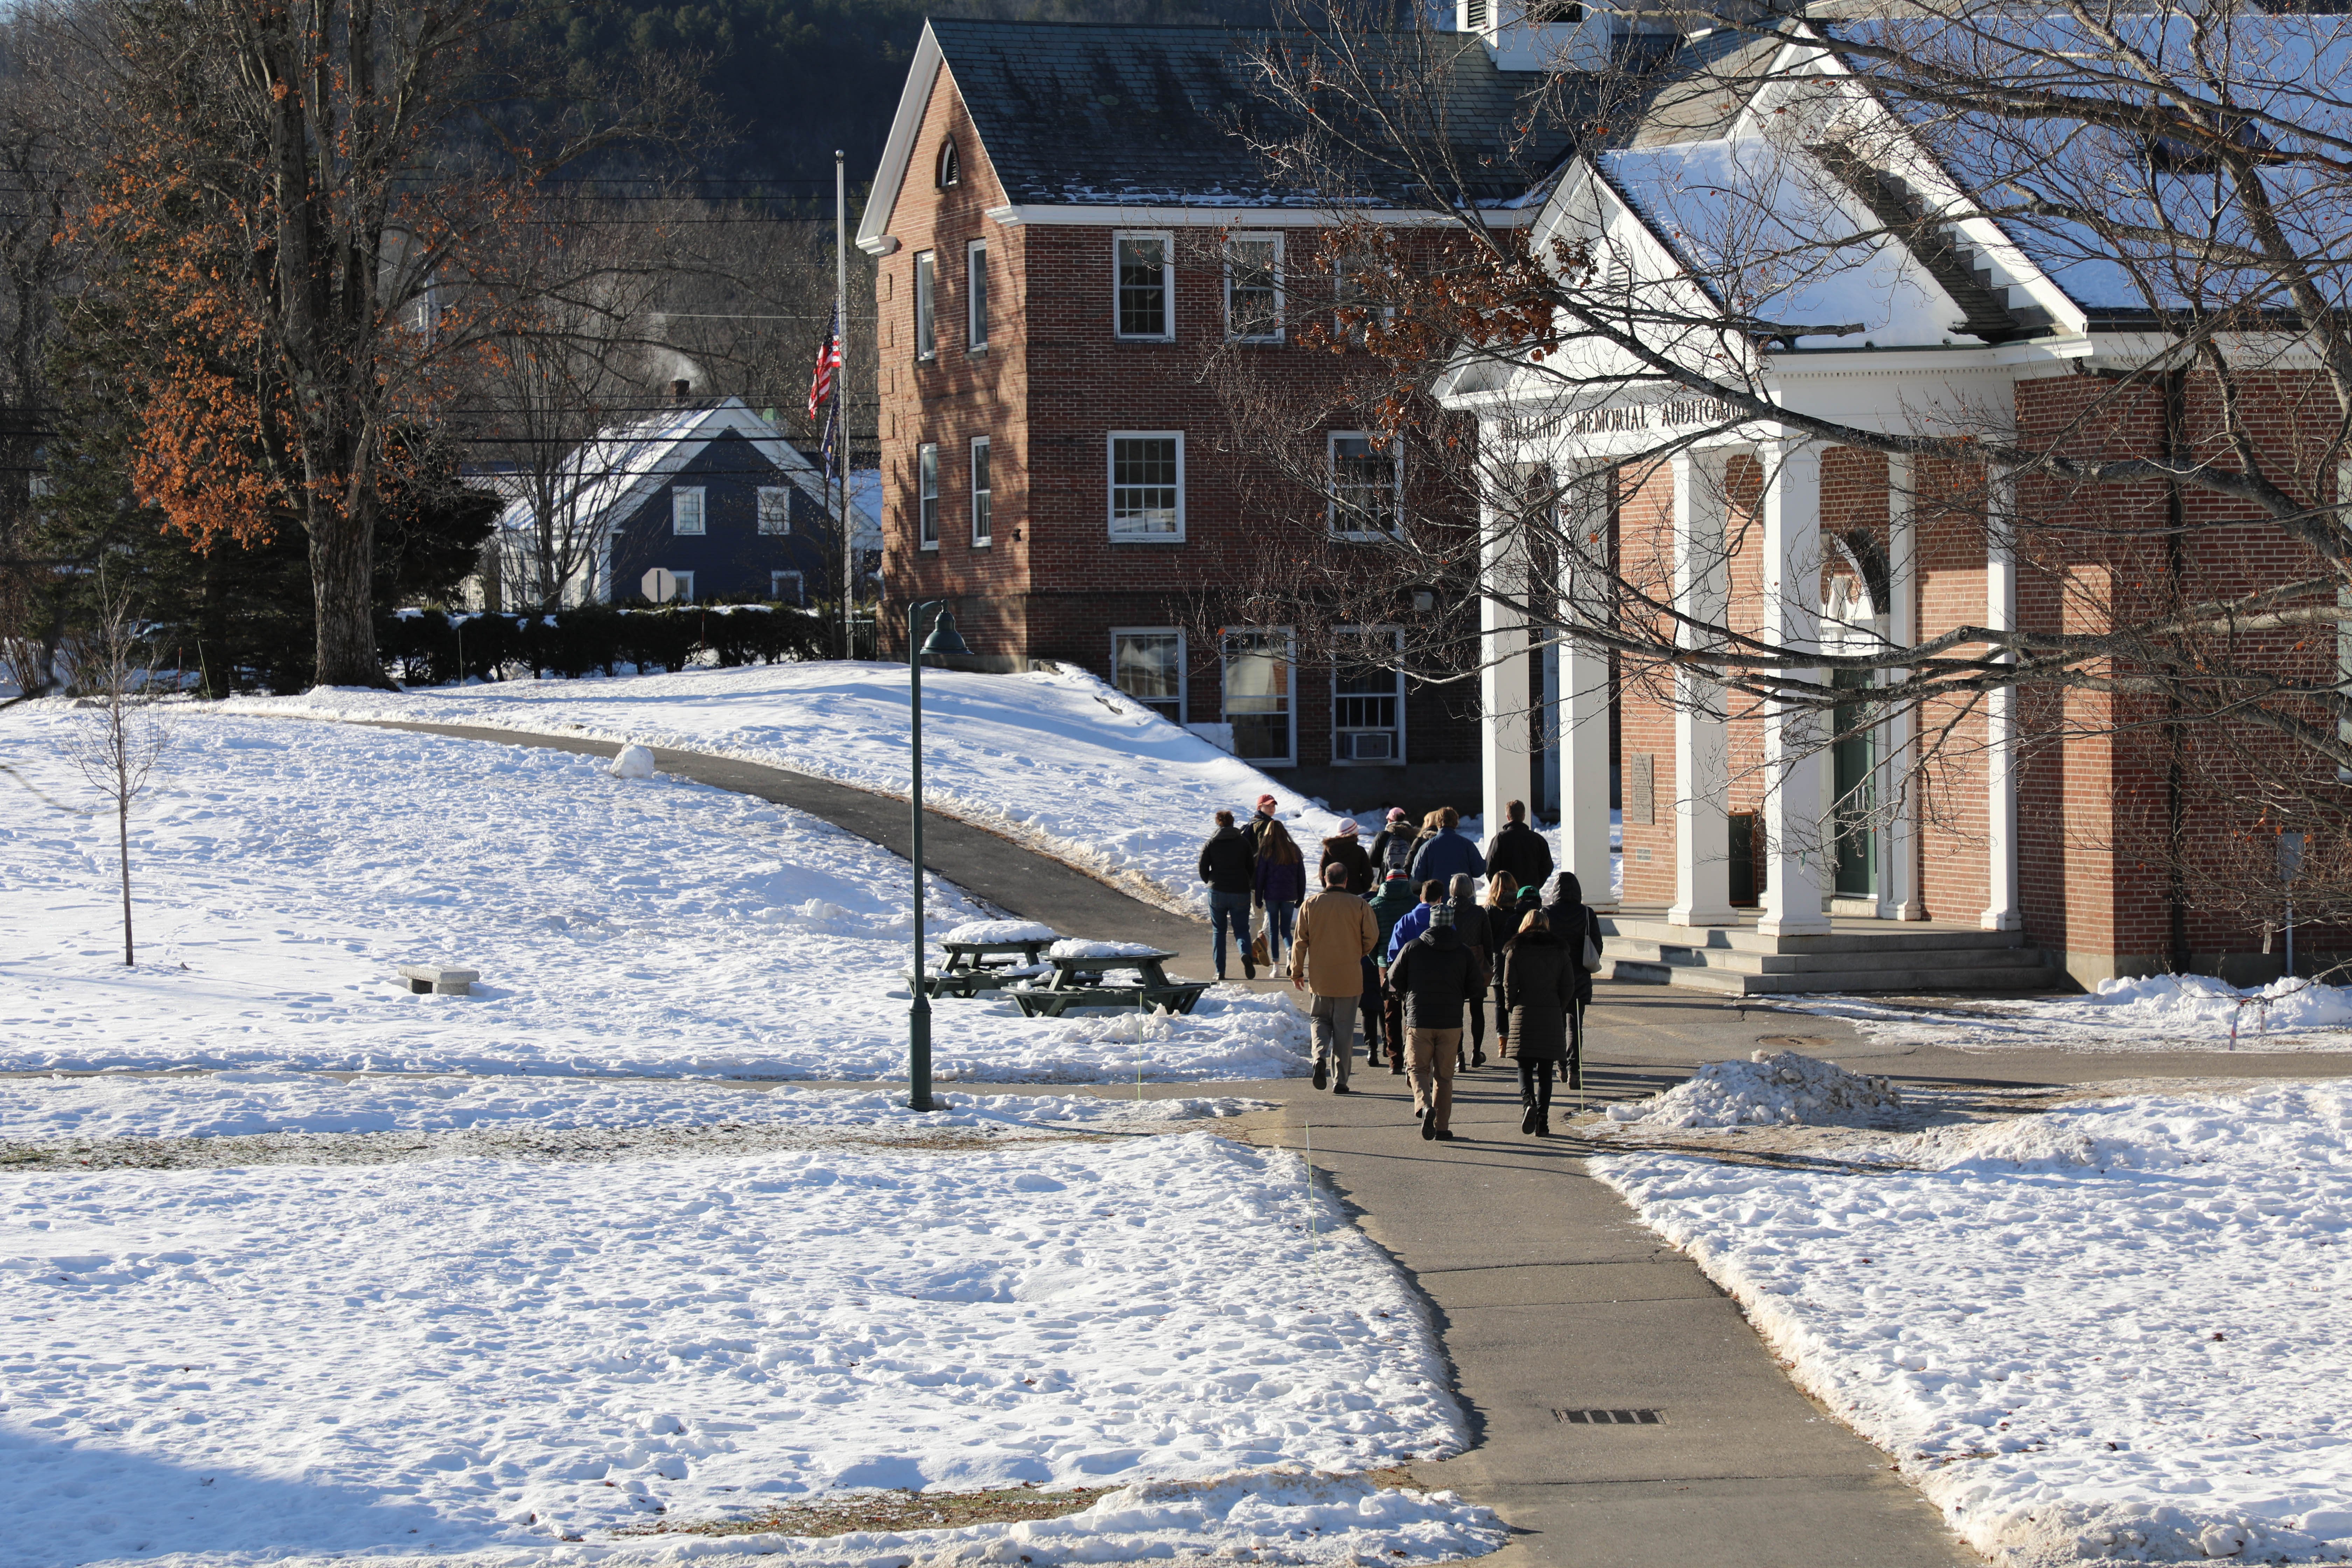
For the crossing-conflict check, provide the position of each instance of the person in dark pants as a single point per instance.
(1503, 920)
(1573, 922)
(1470, 922)
(1540, 988)
(1344, 849)
(1390, 905)
(1229, 865)
(1392, 847)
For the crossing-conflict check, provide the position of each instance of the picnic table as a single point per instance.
(973, 967)
(1077, 982)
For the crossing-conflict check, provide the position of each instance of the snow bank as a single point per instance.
(2162, 1012)
(464, 1353)
(1059, 761)
(999, 931)
(249, 1103)
(1768, 1088)
(2111, 1331)
(282, 871)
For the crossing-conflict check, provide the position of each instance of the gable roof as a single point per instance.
(614, 475)
(1120, 116)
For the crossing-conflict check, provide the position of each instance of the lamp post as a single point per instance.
(944, 639)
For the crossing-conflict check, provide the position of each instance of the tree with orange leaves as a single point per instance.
(305, 223)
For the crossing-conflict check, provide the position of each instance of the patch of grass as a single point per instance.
(894, 1511)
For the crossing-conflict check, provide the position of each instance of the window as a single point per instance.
(1147, 484)
(926, 477)
(685, 510)
(1146, 287)
(950, 171)
(685, 588)
(776, 509)
(1257, 695)
(1348, 295)
(982, 523)
(1148, 664)
(1365, 482)
(927, 339)
(975, 295)
(1254, 288)
(787, 588)
(1368, 698)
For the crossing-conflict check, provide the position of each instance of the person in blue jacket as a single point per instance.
(1447, 855)
(1416, 920)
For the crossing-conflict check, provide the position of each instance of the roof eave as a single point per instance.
(873, 235)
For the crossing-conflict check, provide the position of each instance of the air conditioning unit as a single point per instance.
(1367, 746)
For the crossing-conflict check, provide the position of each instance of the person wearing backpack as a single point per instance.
(1391, 851)
(1390, 905)
(1575, 924)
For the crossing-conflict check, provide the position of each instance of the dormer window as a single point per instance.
(950, 169)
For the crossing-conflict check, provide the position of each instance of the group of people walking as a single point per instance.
(1399, 936)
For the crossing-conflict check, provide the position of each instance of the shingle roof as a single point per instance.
(1120, 115)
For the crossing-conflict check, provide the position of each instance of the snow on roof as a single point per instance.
(2282, 73)
(611, 476)
(1759, 227)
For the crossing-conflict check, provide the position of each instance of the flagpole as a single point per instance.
(841, 403)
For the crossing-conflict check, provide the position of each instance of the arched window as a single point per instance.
(950, 169)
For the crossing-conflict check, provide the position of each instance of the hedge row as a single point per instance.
(429, 648)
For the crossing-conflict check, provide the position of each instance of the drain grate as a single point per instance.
(1610, 1417)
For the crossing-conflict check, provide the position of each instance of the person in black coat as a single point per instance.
(1540, 987)
(1519, 852)
(1392, 847)
(1436, 973)
(1573, 921)
(1344, 849)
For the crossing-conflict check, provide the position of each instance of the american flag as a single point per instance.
(828, 360)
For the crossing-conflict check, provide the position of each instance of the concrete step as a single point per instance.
(2026, 973)
(1885, 936)
(1741, 962)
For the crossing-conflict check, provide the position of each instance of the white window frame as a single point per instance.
(781, 496)
(684, 586)
(984, 496)
(1398, 760)
(1289, 643)
(1341, 300)
(1110, 486)
(1331, 440)
(927, 305)
(927, 496)
(975, 296)
(1167, 240)
(679, 508)
(1254, 238)
(1183, 665)
(800, 586)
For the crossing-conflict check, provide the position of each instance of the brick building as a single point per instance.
(1066, 224)
(1754, 859)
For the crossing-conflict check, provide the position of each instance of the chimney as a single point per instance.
(678, 391)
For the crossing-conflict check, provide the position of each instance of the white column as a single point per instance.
(1506, 764)
(1794, 776)
(1899, 897)
(2001, 911)
(1583, 712)
(1702, 748)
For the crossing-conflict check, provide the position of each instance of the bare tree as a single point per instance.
(119, 741)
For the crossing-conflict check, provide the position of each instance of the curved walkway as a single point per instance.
(1548, 1296)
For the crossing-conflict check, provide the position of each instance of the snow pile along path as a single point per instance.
(282, 870)
(249, 1103)
(2157, 1013)
(462, 1353)
(1769, 1088)
(1061, 761)
(2111, 1331)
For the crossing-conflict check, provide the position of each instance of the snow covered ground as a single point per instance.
(281, 869)
(1062, 762)
(452, 1354)
(2164, 1012)
(2112, 1331)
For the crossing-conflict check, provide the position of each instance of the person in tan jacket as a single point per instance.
(1336, 932)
